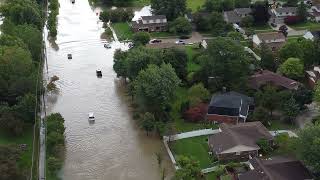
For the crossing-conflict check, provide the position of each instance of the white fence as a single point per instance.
(190, 134)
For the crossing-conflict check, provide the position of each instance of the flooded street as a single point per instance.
(113, 147)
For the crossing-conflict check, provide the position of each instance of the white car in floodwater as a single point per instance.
(91, 116)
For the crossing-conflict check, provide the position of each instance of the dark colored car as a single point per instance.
(155, 41)
(184, 37)
(273, 25)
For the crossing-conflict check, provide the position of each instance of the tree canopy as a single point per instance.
(181, 26)
(171, 8)
(292, 68)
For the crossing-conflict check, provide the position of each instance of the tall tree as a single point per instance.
(267, 58)
(141, 38)
(302, 11)
(307, 146)
(268, 98)
(171, 8)
(181, 26)
(290, 109)
(148, 122)
(225, 62)
(292, 68)
(155, 86)
(291, 49)
(260, 13)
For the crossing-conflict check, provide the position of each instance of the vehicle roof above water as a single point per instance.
(91, 114)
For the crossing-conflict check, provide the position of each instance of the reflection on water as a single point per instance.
(145, 11)
(113, 147)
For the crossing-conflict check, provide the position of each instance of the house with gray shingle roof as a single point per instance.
(276, 168)
(154, 23)
(238, 142)
(236, 15)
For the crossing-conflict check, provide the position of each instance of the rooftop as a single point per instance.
(153, 17)
(264, 77)
(271, 36)
(240, 137)
(276, 168)
(286, 9)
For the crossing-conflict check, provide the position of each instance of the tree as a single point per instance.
(242, 3)
(213, 5)
(268, 98)
(228, 5)
(197, 94)
(265, 146)
(291, 2)
(54, 164)
(26, 108)
(247, 21)
(260, 114)
(317, 93)
(9, 170)
(201, 21)
(155, 86)
(189, 169)
(260, 13)
(234, 35)
(307, 146)
(217, 24)
(171, 8)
(309, 49)
(148, 122)
(303, 96)
(141, 38)
(302, 11)
(267, 58)
(291, 49)
(119, 63)
(290, 109)
(181, 26)
(292, 68)
(225, 62)
(178, 59)
(22, 12)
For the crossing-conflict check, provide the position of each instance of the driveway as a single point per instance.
(195, 38)
(291, 32)
(306, 117)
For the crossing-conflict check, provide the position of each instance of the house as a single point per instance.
(312, 35)
(155, 23)
(313, 76)
(236, 15)
(314, 12)
(276, 168)
(274, 40)
(264, 77)
(238, 142)
(279, 14)
(229, 107)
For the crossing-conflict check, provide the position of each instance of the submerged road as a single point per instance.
(113, 147)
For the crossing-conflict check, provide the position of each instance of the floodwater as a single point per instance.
(113, 148)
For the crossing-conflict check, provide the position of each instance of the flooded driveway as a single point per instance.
(113, 147)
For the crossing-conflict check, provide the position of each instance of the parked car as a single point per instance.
(180, 41)
(130, 45)
(99, 73)
(91, 117)
(283, 28)
(273, 24)
(155, 41)
(108, 46)
(69, 56)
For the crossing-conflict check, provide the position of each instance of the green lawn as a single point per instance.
(26, 138)
(179, 124)
(312, 26)
(211, 176)
(280, 125)
(196, 147)
(192, 52)
(122, 30)
(195, 4)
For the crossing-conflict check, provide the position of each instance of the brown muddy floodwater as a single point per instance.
(113, 148)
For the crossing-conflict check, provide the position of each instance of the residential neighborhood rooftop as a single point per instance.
(264, 77)
(240, 137)
(276, 168)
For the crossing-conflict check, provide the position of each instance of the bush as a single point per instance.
(196, 114)
(181, 26)
(265, 146)
(117, 15)
(141, 38)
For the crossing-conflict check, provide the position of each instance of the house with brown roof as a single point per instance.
(274, 40)
(229, 107)
(313, 76)
(238, 142)
(265, 77)
(154, 23)
(276, 168)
